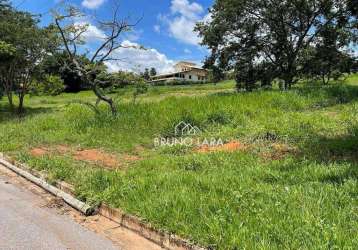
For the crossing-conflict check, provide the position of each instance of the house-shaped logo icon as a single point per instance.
(183, 128)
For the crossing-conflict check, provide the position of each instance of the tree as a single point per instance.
(7, 56)
(216, 74)
(141, 88)
(327, 59)
(153, 72)
(29, 43)
(242, 34)
(58, 63)
(355, 65)
(48, 85)
(327, 63)
(146, 74)
(72, 33)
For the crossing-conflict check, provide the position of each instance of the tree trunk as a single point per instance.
(21, 101)
(9, 97)
(288, 79)
(104, 98)
(288, 84)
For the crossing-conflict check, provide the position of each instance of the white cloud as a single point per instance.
(182, 29)
(133, 59)
(92, 4)
(92, 33)
(187, 51)
(130, 58)
(186, 9)
(182, 20)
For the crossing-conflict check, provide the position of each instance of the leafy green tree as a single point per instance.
(153, 72)
(58, 63)
(141, 88)
(242, 34)
(49, 85)
(216, 74)
(121, 79)
(7, 56)
(31, 43)
(355, 65)
(328, 58)
(146, 74)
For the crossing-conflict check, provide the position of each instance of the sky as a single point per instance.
(165, 30)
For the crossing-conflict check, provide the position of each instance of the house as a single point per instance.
(184, 71)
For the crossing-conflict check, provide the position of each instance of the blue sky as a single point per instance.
(165, 30)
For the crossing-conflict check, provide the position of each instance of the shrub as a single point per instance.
(51, 85)
(141, 88)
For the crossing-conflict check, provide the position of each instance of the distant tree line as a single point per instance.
(47, 60)
(147, 74)
(285, 40)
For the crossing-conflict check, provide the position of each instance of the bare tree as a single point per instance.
(72, 33)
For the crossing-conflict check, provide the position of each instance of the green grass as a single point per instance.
(305, 198)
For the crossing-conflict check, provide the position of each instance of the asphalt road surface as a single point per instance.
(29, 220)
(24, 225)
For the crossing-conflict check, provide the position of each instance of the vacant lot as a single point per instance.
(286, 178)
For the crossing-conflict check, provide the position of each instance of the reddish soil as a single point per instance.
(89, 155)
(228, 147)
(97, 156)
(38, 152)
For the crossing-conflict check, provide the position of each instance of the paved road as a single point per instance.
(26, 225)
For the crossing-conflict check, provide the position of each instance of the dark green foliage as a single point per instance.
(7, 52)
(216, 74)
(141, 87)
(59, 64)
(327, 59)
(146, 74)
(50, 85)
(251, 76)
(153, 72)
(26, 43)
(244, 34)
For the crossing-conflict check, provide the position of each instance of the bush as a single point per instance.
(141, 88)
(51, 85)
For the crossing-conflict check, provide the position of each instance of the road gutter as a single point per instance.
(133, 223)
(69, 199)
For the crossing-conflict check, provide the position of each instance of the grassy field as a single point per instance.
(291, 183)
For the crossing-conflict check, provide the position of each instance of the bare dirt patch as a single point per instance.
(98, 157)
(227, 147)
(39, 152)
(95, 156)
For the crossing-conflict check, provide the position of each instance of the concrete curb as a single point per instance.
(133, 223)
(69, 199)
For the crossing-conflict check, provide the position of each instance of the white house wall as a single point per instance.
(194, 77)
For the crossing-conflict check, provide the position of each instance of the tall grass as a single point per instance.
(225, 200)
